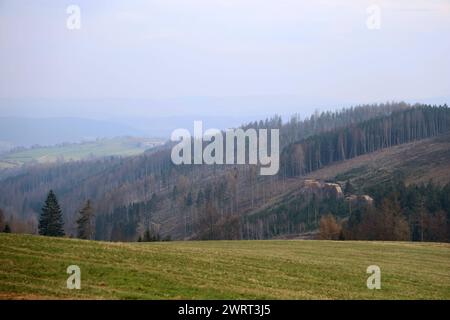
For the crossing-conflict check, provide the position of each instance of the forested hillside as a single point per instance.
(368, 136)
(148, 197)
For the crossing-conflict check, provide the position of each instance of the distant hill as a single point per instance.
(26, 132)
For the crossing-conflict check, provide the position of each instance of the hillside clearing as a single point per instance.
(35, 267)
(419, 162)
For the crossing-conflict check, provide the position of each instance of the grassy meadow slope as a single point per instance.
(33, 267)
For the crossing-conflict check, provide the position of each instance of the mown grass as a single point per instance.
(35, 267)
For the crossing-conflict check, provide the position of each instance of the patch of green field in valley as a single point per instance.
(35, 267)
(120, 146)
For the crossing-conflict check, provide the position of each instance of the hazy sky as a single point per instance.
(167, 50)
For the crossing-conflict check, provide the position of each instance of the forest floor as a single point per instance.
(34, 267)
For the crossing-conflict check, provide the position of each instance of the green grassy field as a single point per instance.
(120, 146)
(33, 267)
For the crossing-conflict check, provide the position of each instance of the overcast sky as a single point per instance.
(185, 50)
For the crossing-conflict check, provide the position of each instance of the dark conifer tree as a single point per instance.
(85, 223)
(7, 229)
(51, 220)
(2, 221)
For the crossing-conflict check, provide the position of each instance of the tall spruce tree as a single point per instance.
(7, 229)
(51, 220)
(85, 223)
(2, 221)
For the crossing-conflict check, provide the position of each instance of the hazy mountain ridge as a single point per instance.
(26, 132)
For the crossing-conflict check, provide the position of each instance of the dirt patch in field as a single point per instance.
(17, 296)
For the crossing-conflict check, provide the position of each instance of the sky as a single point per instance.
(219, 57)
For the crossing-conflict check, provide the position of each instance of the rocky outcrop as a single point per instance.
(333, 190)
(360, 199)
(327, 190)
(322, 189)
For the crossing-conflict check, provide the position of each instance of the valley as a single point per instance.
(120, 146)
